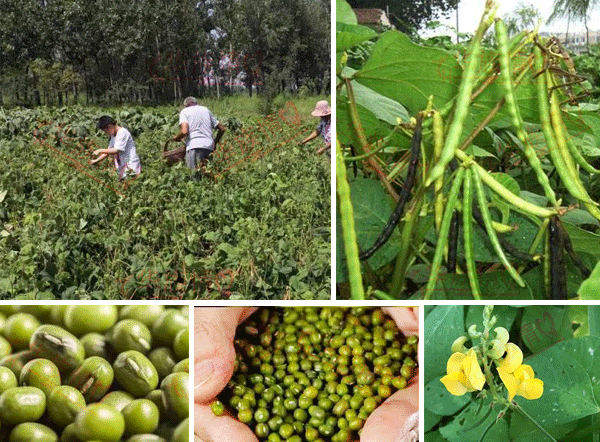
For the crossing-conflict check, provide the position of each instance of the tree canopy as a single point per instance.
(159, 50)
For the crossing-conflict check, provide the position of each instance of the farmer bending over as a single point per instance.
(322, 110)
(196, 125)
(121, 145)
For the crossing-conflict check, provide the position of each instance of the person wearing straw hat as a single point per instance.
(197, 125)
(323, 111)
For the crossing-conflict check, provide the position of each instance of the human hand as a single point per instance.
(214, 359)
(97, 152)
(397, 419)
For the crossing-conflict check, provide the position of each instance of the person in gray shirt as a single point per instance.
(196, 126)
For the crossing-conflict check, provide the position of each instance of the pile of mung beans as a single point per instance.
(315, 374)
(94, 373)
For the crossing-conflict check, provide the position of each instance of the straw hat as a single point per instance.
(321, 109)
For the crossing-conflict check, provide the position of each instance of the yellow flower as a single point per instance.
(522, 382)
(513, 359)
(464, 374)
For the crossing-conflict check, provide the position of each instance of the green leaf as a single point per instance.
(584, 241)
(347, 36)
(383, 108)
(569, 370)
(493, 285)
(579, 217)
(409, 74)
(470, 424)
(440, 401)
(590, 288)
(3, 195)
(542, 326)
(372, 209)
(344, 13)
(430, 420)
(578, 314)
(443, 325)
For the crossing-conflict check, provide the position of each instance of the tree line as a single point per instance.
(158, 51)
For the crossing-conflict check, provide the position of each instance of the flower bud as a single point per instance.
(458, 346)
(473, 333)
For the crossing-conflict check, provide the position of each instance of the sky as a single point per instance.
(470, 12)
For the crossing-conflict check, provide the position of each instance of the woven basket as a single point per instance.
(173, 156)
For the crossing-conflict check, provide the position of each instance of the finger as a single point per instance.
(397, 419)
(211, 428)
(406, 318)
(214, 355)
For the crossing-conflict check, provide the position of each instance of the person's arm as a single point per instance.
(220, 131)
(183, 132)
(312, 136)
(103, 154)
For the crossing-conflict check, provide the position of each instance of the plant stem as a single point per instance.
(412, 218)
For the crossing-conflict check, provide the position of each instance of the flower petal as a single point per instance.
(475, 377)
(454, 364)
(455, 383)
(513, 359)
(524, 372)
(531, 389)
(510, 381)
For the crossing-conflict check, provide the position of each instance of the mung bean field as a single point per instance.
(256, 225)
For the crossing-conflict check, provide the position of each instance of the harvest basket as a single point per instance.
(173, 156)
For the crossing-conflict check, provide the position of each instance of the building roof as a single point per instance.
(371, 16)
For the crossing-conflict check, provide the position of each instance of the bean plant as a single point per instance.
(509, 373)
(426, 130)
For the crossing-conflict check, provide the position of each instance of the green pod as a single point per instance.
(348, 228)
(130, 334)
(63, 405)
(135, 373)
(58, 345)
(443, 236)
(175, 389)
(92, 378)
(487, 219)
(468, 234)
(463, 100)
(32, 432)
(22, 404)
(99, 422)
(513, 109)
(40, 373)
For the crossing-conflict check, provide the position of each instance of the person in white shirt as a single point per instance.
(197, 125)
(121, 145)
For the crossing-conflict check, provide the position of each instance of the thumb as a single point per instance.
(397, 419)
(214, 355)
(210, 428)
